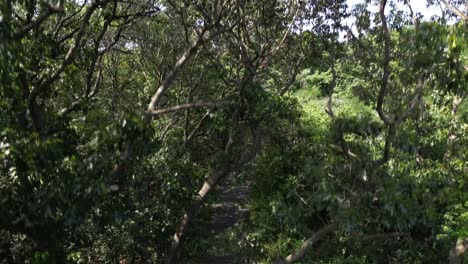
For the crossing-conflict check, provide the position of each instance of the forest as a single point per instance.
(233, 131)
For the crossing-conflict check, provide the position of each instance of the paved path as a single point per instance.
(226, 214)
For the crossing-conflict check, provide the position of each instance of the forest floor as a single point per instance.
(229, 211)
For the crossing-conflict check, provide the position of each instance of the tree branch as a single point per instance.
(67, 110)
(50, 10)
(166, 83)
(234, 162)
(416, 99)
(457, 101)
(455, 10)
(171, 109)
(386, 65)
(456, 255)
(413, 16)
(387, 146)
(69, 57)
(197, 126)
(307, 244)
(379, 235)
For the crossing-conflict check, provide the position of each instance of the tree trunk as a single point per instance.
(457, 254)
(193, 211)
(233, 164)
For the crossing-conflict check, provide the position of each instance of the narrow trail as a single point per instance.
(229, 211)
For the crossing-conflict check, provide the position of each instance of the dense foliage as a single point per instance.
(119, 118)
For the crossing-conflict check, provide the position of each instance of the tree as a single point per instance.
(120, 119)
